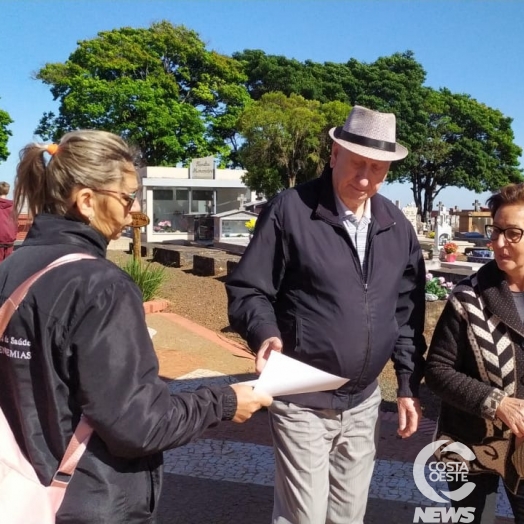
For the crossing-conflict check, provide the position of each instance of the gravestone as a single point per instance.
(442, 229)
(410, 212)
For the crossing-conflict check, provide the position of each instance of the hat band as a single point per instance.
(367, 142)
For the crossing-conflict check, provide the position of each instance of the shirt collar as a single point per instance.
(344, 212)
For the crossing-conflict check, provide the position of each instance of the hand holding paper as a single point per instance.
(283, 375)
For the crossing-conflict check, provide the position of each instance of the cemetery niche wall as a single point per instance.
(230, 226)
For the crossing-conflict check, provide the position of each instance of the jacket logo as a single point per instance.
(22, 353)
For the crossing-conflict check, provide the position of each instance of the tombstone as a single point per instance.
(241, 201)
(410, 212)
(231, 225)
(443, 232)
(476, 205)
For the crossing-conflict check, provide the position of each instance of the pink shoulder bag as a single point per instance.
(23, 499)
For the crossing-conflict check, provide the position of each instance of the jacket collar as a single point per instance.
(497, 296)
(50, 229)
(327, 206)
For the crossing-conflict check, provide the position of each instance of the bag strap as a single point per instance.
(12, 303)
(78, 443)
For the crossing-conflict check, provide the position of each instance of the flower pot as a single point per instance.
(451, 257)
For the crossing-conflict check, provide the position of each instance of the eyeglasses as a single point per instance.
(512, 234)
(128, 197)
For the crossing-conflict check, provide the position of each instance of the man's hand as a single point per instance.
(270, 344)
(409, 415)
(248, 401)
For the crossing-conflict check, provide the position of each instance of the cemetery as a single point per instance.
(454, 244)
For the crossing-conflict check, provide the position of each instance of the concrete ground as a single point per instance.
(226, 476)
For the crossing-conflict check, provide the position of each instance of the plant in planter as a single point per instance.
(437, 288)
(250, 226)
(148, 279)
(450, 248)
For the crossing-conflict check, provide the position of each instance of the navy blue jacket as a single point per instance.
(77, 344)
(300, 280)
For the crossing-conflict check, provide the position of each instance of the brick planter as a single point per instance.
(155, 306)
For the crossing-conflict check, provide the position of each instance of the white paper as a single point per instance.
(283, 375)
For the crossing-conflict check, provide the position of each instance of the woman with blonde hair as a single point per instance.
(78, 345)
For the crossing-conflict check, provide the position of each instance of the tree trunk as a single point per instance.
(428, 203)
(418, 201)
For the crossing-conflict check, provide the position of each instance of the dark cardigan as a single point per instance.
(475, 359)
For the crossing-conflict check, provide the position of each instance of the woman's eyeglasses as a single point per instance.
(512, 234)
(128, 197)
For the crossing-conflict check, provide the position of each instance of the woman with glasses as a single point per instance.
(476, 366)
(78, 344)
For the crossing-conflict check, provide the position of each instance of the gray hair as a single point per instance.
(85, 158)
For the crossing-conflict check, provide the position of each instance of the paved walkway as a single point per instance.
(226, 477)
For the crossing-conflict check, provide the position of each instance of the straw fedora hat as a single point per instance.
(370, 134)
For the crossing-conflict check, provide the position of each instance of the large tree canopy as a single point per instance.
(5, 133)
(314, 81)
(466, 144)
(454, 141)
(164, 91)
(285, 140)
(159, 87)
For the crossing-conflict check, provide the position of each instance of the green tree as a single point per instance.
(466, 144)
(159, 87)
(314, 81)
(5, 133)
(454, 141)
(284, 140)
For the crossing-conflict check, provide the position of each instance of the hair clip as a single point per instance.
(52, 149)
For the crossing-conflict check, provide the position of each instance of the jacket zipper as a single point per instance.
(366, 303)
(366, 307)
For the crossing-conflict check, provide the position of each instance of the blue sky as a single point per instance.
(473, 47)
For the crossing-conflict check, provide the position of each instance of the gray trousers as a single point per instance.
(324, 461)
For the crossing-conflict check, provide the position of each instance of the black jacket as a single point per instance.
(79, 344)
(300, 280)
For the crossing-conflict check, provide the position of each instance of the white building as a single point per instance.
(173, 197)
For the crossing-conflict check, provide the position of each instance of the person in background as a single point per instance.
(89, 351)
(476, 366)
(334, 277)
(8, 224)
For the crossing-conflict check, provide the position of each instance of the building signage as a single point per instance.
(202, 168)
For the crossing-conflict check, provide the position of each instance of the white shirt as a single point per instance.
(356, 229)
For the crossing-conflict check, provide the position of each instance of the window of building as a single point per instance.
(170, 207)
(202, 201)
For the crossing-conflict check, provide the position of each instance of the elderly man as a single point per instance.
(334, 277)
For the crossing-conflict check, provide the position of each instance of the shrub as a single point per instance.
(147, 278)
(431, 234)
